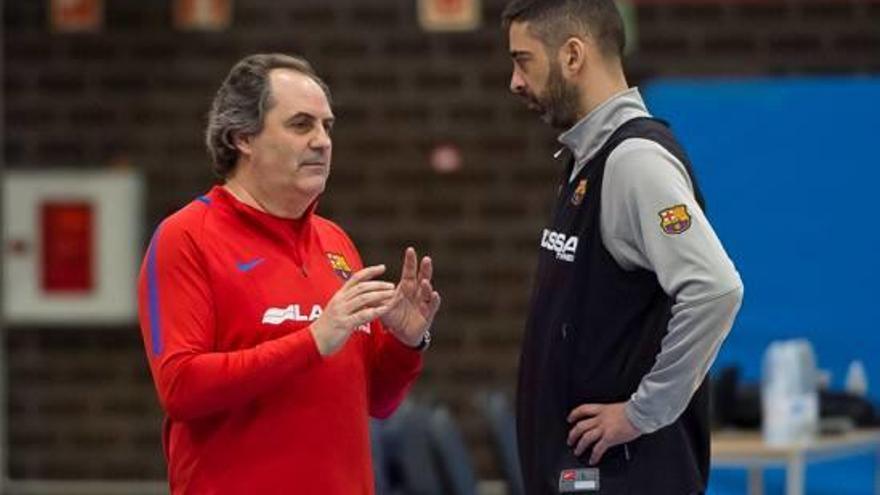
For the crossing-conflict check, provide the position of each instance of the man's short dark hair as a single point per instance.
(242, 102)
(554, 21)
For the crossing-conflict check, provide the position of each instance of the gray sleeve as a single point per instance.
(643, 185)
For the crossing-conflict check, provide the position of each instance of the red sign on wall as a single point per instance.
(68, 249)
(76, 15)
(449, 7)
(449, 15)
(209, 15)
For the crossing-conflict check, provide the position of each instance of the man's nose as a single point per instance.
(516, 83)
(321, 139)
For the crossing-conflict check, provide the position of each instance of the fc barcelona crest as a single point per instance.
(339, 265)
(675, 220)
(578, 197)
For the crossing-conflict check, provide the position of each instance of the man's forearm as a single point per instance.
(192, 385)
(688, 350)
(394, 368)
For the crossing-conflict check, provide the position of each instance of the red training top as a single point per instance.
(226, 295)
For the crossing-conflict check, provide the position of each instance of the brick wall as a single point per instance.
(81, 403)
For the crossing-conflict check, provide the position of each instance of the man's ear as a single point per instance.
(572, 56)
(242, 142)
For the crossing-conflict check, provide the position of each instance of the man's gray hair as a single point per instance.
(242, 101)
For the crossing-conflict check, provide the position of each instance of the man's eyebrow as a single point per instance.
(306, 115)
(301, 115)
(330, 121)
(519, 53)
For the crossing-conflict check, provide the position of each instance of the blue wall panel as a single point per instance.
(791, 172)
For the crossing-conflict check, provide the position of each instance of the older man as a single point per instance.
(268, 342)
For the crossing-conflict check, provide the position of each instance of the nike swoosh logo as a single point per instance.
(248, 265)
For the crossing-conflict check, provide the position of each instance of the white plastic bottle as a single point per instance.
(857, 379)
(789, 393)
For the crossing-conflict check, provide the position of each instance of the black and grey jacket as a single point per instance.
(634, 295)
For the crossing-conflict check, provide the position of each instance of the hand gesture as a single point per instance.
(415, 302)
(358, 301)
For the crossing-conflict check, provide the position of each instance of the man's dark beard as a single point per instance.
(560, 102)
